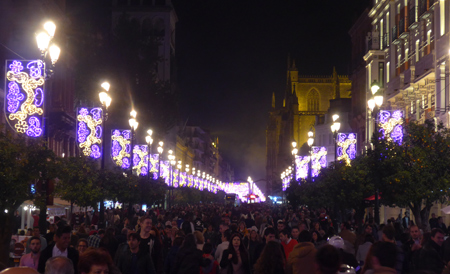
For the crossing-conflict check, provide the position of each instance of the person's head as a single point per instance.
(304, 237)
(369, 238)
(82, 245)
(94, 262)
(269, 234)
(368, 229)
(133, 242)
(295, 232)
(199, 239)
(35, 244)
(253, 235)
(301, 227)
(36, 232)
(59, 265)
(29, 232)
(437, 236)
(414, 232)
(207, 248)
(62, 237)
(440, 220)
(168, 230)
(242, 226)
(146, 224)
(235, 241)
(272, 258)
(327, 260)
(101, 233)
(226, 235)
(315, 236)
(178, 241)
(406, 214)
(388, 233)
(223, 227)
(433, 215)
(316, 226)
(174, 223)
(345, 226)
(284, 235)
(189, 242)
(280, 225)
(384, 255)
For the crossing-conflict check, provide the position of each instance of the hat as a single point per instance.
(168, 223)
(254, 228)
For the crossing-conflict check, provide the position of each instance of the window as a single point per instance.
(417, 50)
(313, 100)
(388, 71)
(381, 73)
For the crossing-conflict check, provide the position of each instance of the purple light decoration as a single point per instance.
(82, 132)
(140, 154)
(391, 125)
(95, 152)
(346, 147)
(319, 160)
(14, 97)
(302, 167)
(120, 147)
(34, 128)
(25, 96)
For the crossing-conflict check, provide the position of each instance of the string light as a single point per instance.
(90, 131)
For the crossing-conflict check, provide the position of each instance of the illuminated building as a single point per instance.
(305, 101)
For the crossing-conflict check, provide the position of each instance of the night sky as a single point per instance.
(232, 55)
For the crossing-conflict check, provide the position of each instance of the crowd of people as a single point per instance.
(240, 240)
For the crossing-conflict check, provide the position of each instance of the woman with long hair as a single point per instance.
(251, 242)
(235, 259)
(189, 258)
(109, 242)
(272, 259)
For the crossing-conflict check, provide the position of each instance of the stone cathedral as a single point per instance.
(306, 100)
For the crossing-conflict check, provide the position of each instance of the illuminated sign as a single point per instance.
(24, 100)
(90, 131)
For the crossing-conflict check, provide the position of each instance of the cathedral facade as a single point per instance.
(305, 101)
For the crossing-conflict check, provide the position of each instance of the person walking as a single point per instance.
(235, 259)
(271, 260)
(135, 260)
(189, 258)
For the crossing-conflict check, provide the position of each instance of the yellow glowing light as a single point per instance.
(123, 153)
(389, 126)
(344, 145)
(142, 163)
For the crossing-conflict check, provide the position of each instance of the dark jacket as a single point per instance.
(47, 253)
(430, 258)
(227, 264)
(144, 263)
(189, 261)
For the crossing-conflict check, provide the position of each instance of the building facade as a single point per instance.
(305, 101)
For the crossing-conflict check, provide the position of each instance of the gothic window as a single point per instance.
(313, 100)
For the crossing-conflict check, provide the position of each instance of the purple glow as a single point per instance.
(98, 131)
(390, 123)
(16, 66)
(115, 148)
(82, 132)
(14, 97)
(36, 68)
(125, 163)
(96, 113)
(346, 147)
(34, 127)
(39, 97)
(120, 148)
(95, 151)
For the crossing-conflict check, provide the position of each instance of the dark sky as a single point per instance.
(232, 55)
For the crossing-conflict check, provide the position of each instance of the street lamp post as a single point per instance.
(149, 141)
(105, 100)
(310, 143)
(294, 154)
(160, 151)
(43, 40)
(335, 129)
(374, 104)
(133, 125)
(172, 162)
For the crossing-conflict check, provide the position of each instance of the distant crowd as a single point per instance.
(227, 239)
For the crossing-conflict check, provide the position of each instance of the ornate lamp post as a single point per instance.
(133, 125)
(149, 141)
(310, 143)
(374, 104)
(335, 129)
(105, 100)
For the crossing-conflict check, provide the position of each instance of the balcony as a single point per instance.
(394, 33)
(424, 8)
(386, 40)
(402, 33)
(412, 22)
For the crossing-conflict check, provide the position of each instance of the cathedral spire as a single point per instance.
(337, 91)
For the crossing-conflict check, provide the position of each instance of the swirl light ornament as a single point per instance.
(391, 125)
(90, 131)
(346, 147)
(302, 167)
(25, 96)
(120, 147)
(140, 153)
(319, 160)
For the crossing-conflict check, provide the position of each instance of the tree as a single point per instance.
(415, 173)
(22, 163)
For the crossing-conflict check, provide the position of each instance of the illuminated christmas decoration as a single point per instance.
(175, 182)
(25, 96)
(346, 147)
(140, 153)
(302, 167)
(319, 160)
(391, 125)
(90, 131)
(120, 147)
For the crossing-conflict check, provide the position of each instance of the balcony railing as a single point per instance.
(386, 40)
